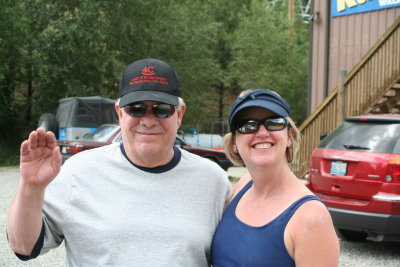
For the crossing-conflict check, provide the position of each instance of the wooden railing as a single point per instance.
(364, 85)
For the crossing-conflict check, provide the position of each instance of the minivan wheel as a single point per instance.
(350, 235)
(48, 122)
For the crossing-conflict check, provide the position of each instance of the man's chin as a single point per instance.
(150, 150)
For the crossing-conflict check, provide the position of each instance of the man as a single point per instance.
(143, 202)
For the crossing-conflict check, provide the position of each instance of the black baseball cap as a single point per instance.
(149, 80)
(259, 98)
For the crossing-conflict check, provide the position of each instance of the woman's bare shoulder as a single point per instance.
(310, 237)
(241, 183)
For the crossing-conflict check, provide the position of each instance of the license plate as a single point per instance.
(63, 149)
(338, 168)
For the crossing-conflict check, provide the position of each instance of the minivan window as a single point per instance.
(364, 136)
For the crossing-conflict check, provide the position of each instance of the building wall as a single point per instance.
(340, 43)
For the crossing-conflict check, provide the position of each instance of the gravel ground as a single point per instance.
(352, 253)
(368, 254)
(9, 181)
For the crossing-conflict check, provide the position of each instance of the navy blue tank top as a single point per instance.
(238, 244)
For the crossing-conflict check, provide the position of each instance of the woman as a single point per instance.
(272, 219)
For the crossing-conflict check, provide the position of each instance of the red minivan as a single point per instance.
(356, 172)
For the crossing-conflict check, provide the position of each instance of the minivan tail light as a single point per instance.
(393, 170)
(74, 149)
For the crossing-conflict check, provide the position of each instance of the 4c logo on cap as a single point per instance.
(148, 71)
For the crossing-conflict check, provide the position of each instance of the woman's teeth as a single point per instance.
(259, 146)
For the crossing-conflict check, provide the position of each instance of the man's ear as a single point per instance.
(118, 110)
(180, 113)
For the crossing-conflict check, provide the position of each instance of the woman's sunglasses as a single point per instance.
(252, 126)
(160, 110)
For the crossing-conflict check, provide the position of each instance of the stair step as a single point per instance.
(396, 86)
(389, 103)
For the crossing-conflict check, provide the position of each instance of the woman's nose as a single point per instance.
(262, 131)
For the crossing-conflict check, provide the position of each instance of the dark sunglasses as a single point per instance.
(160, 110)
(252, 126)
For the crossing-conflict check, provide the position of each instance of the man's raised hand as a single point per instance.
(40, 159)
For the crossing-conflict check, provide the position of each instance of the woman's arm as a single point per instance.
(310, 236)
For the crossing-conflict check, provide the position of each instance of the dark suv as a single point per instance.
(356, 171)
(77, 116)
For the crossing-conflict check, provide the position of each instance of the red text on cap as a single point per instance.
(148, 71)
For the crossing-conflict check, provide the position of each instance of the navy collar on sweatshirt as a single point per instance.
(159, 169)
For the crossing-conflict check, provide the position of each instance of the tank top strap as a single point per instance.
(239, 195)
(288, 213)
(303, 200)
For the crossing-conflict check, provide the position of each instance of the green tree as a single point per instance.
(177, 33)
(73, 59)
(13, 68)
(227, 15)
(52, 49)
(265, 57)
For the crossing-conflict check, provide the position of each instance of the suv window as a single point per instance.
(87, 113)
(364, 136)
(63, 113)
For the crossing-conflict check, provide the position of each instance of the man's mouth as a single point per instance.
(148, 132)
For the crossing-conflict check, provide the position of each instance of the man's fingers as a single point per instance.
(56, 160)
(51, 140)
(33, 140)
(24, 150)
(41, 137)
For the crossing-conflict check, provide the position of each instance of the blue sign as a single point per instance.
(348, 7)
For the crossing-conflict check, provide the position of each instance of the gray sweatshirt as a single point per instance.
(112, 213)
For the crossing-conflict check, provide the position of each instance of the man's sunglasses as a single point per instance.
(252, 126)
(160, 110)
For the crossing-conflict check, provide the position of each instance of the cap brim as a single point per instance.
(157, 96)
(271, 106)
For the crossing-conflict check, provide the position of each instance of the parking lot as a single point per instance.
(352, 254)
(9, 180)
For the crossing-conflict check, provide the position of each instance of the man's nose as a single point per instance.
(149, 119)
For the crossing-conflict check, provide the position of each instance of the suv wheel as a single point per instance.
(48, 122)
(350, 235)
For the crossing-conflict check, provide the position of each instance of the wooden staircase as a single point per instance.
(390, 101)
(372, 86)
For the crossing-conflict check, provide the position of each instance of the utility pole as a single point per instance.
(341, 99)
(291, 14)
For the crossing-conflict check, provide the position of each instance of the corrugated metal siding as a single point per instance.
(350, 37)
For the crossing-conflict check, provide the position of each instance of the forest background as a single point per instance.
(50, 49)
